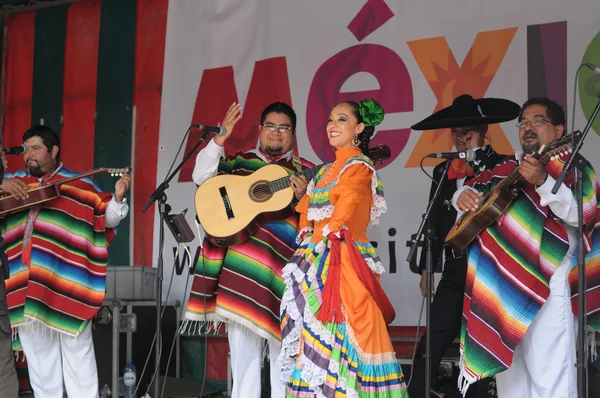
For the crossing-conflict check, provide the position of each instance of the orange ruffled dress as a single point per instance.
(349, 354)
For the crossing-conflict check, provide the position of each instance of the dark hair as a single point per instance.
(555, 111)
(280, 107)
(48, 136)
(366, 134)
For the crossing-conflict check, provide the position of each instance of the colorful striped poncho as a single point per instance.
(65, 284)
(510, 266)
(242, 283)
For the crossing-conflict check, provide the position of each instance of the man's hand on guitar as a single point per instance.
(17, 188)
(122, 186)
(468, 200)
(231, 118)
(298, 184)
(532, 170)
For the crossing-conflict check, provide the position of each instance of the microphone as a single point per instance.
(15, 150)
(593, 68)
(219, 130)
(469, 155)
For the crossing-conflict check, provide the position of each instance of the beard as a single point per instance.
(35, 170)
(533, 147)
(274, 151)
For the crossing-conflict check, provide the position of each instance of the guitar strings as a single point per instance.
(264, 189)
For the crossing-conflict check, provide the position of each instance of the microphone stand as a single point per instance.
(163, 210)
(575, 160)
(429, 237)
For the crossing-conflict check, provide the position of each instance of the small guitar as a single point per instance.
(494, 203)
(231, 208)
(11, 204)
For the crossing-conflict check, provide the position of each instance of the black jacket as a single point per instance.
(443, 215)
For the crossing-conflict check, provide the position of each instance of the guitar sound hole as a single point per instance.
(260, 191)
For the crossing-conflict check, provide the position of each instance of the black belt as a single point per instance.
(450, 253)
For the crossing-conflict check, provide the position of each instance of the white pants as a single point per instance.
(53, 358)
(544, 362)
(246, 350)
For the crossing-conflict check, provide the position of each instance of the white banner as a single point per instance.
(413, 57)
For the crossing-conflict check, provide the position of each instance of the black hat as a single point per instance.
(466, 111)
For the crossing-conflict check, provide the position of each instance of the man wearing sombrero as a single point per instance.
(468, 120)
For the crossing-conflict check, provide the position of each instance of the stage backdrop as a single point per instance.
(412, 58)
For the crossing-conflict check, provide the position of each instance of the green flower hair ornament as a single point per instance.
(371, 112)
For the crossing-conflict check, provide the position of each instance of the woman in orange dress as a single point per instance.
(334, 313)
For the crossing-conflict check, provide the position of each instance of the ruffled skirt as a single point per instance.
(354, 358)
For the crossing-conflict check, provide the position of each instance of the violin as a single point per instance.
(45, 193)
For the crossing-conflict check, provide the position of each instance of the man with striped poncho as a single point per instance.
(241, 285)
(57, 252)
(518, 318)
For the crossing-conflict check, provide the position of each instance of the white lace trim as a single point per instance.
(311, 373)
(320, 247)
(318, 214)
(310, 187)
(315, 376)
(365, 357)
(326, 231)
(299, 239)
(376, 267)
(379, 204)
(290, 345)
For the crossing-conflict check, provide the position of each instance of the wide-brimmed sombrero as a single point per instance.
(466, 111)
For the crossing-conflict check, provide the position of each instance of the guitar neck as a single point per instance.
(283, 183)
(83, 175)
(376, 154)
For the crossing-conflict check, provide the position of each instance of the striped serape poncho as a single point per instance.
(242, 283)
(510, 266)
(64, 285)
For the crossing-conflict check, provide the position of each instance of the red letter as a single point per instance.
(395, 94)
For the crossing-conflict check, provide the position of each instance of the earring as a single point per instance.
(355, 141)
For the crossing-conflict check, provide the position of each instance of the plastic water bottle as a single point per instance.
(129, 379)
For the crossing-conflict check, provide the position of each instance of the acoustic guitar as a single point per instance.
(494, 203)
(231, 208)
(12, 204)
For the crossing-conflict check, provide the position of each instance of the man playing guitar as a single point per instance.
(518, 321)
(241, 285)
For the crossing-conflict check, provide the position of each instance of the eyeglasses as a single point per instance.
(281, 128)
(533, 123)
